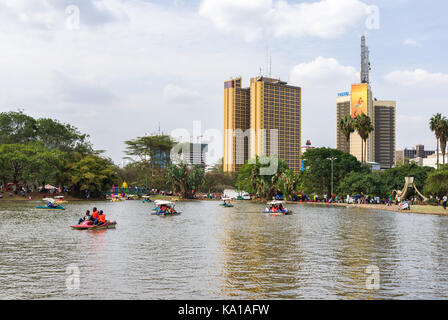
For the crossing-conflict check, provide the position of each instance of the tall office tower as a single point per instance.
(236, 124)
(275, 120)
(385, 138)
(362, 103)
(342, 110)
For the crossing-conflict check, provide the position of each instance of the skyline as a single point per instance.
(129, 67)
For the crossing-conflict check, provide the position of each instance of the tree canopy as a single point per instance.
(317, 176)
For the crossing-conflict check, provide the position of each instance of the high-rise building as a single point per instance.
(380, 146)
(267, 118)
(275, 120)
(385, 133)
(236, 124)
(402, 156)
(362, 103)
(342, 110)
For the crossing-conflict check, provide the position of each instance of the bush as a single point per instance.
(432, 202)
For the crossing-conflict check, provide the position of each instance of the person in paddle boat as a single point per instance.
(52, 205)
(101, 219)
(94, 215)
(87, 217)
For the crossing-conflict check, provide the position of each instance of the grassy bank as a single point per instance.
(420, 209)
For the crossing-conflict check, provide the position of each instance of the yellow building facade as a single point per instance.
(274, 122)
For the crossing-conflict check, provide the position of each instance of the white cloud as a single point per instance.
(411, 42)
(418, 77)
(323, 72)
(179, 95)
(321, 80)
(255, 18)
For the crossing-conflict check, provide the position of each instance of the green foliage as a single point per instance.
(437, 182)
(91, 174)
(185, 179)
(363, 124)
(347, 126)
(382, 184)
(216, 181)
(252, 179)
(394, 179)
(31, 163)
(17, 127)
(154, 150)
(317, 176)
(366, 183)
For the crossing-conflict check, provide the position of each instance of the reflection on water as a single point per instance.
(211, 252)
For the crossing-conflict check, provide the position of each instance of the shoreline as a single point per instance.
(416, 209)
(421, 209)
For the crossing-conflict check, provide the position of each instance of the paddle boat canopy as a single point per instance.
(52, 204)
(226, 203)
(276, 208)
(164, 208)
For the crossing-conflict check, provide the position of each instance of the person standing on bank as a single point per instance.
(445, 199)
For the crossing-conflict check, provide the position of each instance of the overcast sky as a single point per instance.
(130, 64)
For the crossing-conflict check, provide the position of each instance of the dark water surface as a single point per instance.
(210, 252)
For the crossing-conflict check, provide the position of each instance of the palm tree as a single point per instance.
(347, 126)
(443, 138)
(363, 124)
(436, 125)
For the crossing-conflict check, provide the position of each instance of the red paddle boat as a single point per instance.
(88, 225)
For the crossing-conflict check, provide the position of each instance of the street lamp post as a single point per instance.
(332, 160)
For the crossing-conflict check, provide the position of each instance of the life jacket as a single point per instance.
(95, 214)
(102, 218)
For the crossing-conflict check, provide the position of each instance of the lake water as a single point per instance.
(210, 252)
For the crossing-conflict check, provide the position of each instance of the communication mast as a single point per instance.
(365, 61)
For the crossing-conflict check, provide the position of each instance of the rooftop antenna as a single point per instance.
(365, 61)
(270, 66)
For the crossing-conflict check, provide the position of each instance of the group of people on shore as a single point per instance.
(97, 217)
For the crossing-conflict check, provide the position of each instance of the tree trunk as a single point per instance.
(362, 152)
(437, 153)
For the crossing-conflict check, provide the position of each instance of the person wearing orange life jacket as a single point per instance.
(94, 215)
(101, 218)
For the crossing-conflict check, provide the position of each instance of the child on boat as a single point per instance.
(85, 218)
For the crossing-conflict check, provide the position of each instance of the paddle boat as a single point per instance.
(51, 205)
(226, 203)
(146, 199)
(88, 225)
(276, 209)
(60, 200)
(116, 200)
(164, 208)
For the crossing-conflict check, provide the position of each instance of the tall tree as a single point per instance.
(154, 150)
(92, 174)
(16, 127)
(185, 179)
(347, 127)
(436, 125)
(251, 178)
(363, 125)
(317, 176)
(443, 138)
